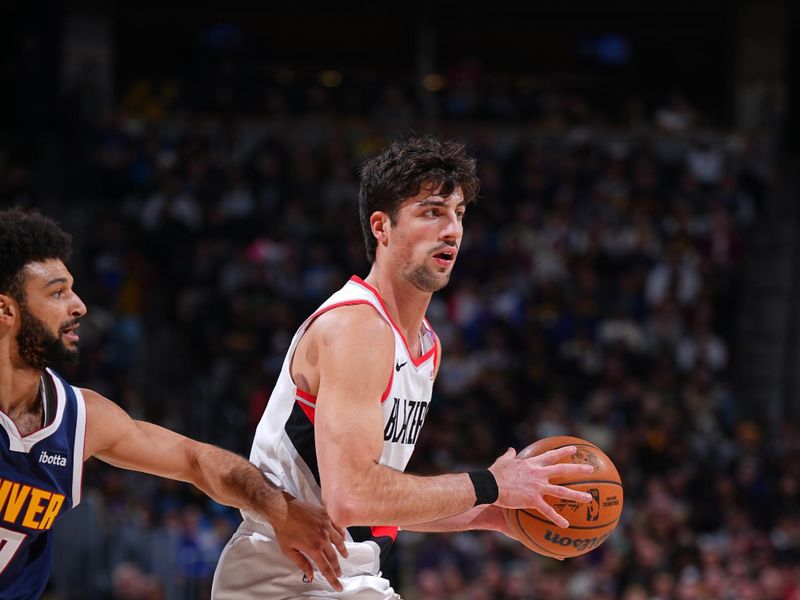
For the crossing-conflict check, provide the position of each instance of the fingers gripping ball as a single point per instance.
(590, 524)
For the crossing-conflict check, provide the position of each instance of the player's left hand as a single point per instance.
(498, 522)
(306, 533)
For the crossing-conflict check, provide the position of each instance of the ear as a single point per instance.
(379, 222)
(9, 309)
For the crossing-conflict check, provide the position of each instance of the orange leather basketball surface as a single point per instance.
(591, 523)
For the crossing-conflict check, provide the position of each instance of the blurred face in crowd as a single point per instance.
(423, 239)
(49, 312)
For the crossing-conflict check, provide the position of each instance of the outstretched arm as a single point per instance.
(301, 528)
(355, 356)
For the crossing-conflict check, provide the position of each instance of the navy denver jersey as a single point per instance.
(40, 480)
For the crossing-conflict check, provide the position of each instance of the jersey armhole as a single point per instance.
(310, 320)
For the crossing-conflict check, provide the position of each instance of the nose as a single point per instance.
(78, 308)
(452, 230)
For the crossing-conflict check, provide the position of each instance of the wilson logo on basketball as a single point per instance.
(580, 544)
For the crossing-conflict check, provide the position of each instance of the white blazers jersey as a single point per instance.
(284, 447)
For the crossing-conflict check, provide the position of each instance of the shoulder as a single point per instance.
(92, 400)
(96, 402)
(355, 344)
(353, 322)
(101, 412)
(105, 421)
(91, 396)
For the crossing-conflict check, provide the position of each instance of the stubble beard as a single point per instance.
(425, 280)
(38, 348)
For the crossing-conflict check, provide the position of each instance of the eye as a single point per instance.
(432, 212)
(57, 294)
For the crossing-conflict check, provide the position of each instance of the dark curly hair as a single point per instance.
(400, 171)
(26, 237)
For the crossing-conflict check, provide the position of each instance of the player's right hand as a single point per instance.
(306, 533)
(523, 483)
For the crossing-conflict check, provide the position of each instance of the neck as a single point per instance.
(405, 304)
(19, 387)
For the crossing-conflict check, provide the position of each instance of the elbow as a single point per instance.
(348, 493)
(194, 472)
(342, 508)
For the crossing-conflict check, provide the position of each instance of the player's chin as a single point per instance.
(442, 280)
(443, 269)
(71, 350)
(69, 345)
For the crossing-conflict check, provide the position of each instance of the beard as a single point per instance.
(38, 347)
(425, 280)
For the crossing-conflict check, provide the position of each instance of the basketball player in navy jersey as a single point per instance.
(48, 428)
(354, 392)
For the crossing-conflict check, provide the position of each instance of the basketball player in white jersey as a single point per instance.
(355, 388)
(48, 428)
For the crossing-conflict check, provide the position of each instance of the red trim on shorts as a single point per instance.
(416, 361)
(384, 531)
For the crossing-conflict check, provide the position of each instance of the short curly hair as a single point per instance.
(400, 171)
(26, 237)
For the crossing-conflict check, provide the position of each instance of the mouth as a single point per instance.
(445, 258)
(70, 333)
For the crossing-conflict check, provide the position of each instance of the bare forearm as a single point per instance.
(384, 496)
(231, 480)
(480, 517)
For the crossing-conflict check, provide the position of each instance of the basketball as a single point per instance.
(590, 524)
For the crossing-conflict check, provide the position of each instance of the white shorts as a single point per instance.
(252, 566)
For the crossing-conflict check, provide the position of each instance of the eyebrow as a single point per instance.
(56, 280)
(432, 202)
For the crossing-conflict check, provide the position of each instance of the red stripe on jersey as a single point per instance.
(308, 410)
(383, 531)
(322, 311)
(416, 361)
(306, 396)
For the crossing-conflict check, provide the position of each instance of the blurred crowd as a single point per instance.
(595, 295)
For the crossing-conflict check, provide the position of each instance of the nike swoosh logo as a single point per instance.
(399, 366)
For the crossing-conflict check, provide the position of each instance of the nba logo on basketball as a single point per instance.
(593, 509)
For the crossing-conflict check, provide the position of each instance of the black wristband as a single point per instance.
(485, 485)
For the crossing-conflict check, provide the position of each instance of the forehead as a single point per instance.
(42, 273)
